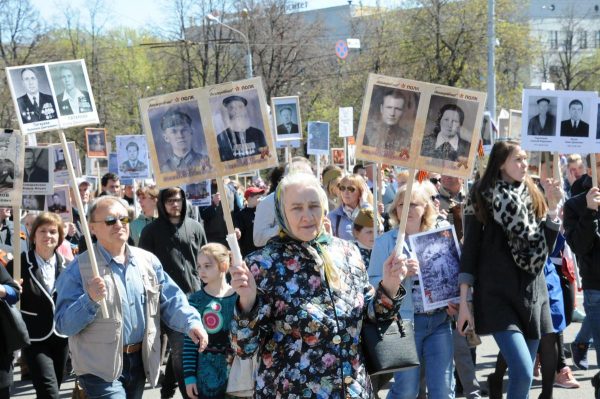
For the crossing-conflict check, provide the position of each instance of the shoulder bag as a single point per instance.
(13, 331)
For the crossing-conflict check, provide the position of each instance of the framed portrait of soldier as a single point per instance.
(37, 164)
(317, 138)
(338, 157)
(132, 156)
(176, 135)
(33, 98)
(386, 135)
(198, 194)
(240, 121)
(59, 202)
(286, 112)
(515, 124)
(452, 131)
(11, 167)
(95, 143)
(61, 172)
(113, 167)
(73, 93)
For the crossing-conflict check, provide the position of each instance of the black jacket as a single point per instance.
(176, 246)
(581, 232)
(244, 220)
(37, 305)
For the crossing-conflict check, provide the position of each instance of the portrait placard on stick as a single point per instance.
(388, 122)
(487, 132)
(95, 143)
(37, 162)
(338, 157)
(61, 172)
(563, 121)
(346, 121)
(59, 202)
(515, 124)
(73, 93)
(113, 167)
(439, 259)
(286, 111)
(177, 138)
(240, 123)
(132, 156)
(198, 194)
(318, 138)
(11, 168)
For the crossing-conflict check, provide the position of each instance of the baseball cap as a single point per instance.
(250, 191)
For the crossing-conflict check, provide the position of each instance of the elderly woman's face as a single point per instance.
(303, 211)
(46, 236)
(450, 123)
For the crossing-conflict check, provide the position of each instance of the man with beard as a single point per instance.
(239, 140)
(178, 133)
(72, 100)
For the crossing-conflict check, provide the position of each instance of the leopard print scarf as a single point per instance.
(512, 209)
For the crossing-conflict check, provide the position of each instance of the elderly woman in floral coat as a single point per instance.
(303, 299)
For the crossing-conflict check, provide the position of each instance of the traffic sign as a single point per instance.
(341, 49)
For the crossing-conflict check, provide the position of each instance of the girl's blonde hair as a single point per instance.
(219, 253)
(419, 193)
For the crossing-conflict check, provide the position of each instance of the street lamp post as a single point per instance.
(249, 72)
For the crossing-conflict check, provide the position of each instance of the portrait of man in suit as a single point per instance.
(544, 123)
(72, 100)
(383, 129)
(34, 106)
(33, 172)
(132, 164)
(240, 139)
(56, 204)
(574, 126)
(287, 126)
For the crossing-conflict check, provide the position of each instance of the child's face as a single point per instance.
(208, 269)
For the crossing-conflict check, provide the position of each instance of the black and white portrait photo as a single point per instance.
(239, 123)
(11, 167)
(61, 173)
(541, 116)
(449, 129)
(318, 138)
(95, 140)
(33, 202)
(575, 125)
(439, 259)
(59, 202)
(132, 156)
(178, 135)
(33, 97)
(286, 111)
(391, 119)
(70, 86)
(487, 137)
(37, 162)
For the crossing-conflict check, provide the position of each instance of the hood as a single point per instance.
(162, 212)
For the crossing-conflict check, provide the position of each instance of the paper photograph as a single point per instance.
(59, 202)
(286, 111)
(132, 156)
(11, 168)
(37, 162)
(198, 194)
(95, 141)
(317, 138)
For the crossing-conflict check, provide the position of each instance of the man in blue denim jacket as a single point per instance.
(114, 356)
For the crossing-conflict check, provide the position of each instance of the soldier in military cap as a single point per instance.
(178, 133)
(240, 139)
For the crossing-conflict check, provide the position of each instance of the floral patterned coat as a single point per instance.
(305, 350)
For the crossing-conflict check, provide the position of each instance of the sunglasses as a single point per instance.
(435, 197)
(435, 180)
(112, 220)
(349, 188)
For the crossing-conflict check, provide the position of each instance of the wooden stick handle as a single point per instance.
(82, 218)
(594, 172)
(234, 247)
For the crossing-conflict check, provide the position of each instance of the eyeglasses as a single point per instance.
(173, 201)
(112, 220)
(435, 197)
(344, 188)
(435, 180)
(412, 205)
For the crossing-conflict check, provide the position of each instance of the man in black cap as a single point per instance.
(178, 133)
(240, 139)
(544, 123)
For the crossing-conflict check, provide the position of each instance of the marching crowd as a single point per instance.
(320, 260)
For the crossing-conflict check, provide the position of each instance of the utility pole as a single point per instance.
(491, 84)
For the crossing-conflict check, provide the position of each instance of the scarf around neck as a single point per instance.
(512, 208)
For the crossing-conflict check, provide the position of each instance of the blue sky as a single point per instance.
(137, 13)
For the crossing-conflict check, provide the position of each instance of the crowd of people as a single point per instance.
(320, 259)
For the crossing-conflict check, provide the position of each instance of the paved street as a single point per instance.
(486, 357)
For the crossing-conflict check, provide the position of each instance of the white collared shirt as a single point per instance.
(35, 96)
(73, 101)
(453, 142)
(48, 269)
